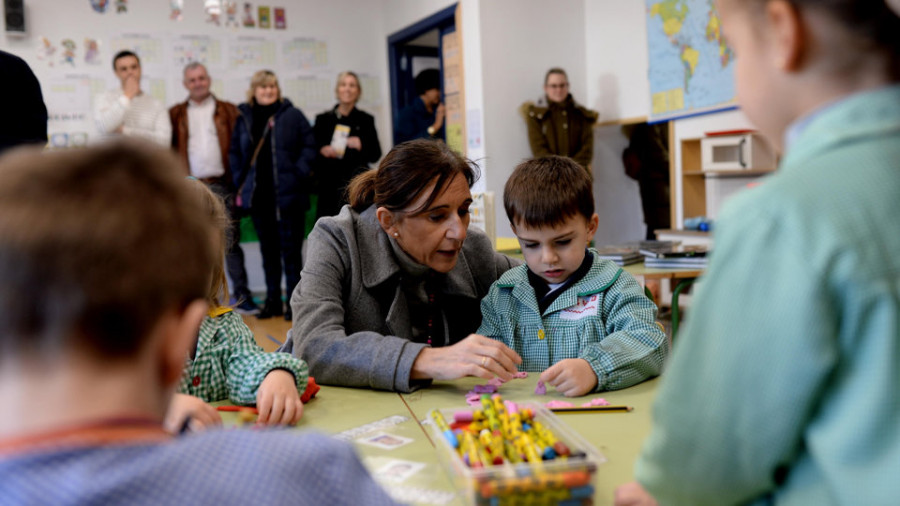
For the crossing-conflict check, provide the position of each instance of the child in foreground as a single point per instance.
(226, 362)
(783, 386)
(581, 320)
(97, 322)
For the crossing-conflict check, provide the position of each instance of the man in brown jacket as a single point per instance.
(561, 127)
(201, 134)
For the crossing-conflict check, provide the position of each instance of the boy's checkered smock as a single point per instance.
(230, 365)
(604, 318)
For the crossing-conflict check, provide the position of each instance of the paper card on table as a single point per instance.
(339, 139)
(385, 441)
(398, 470)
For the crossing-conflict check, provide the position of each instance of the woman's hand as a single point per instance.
(199, 414)
(571, 377)
(475, 355)
(277, 399)
(328, 151)
(354, 143)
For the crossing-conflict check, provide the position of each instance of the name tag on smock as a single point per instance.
(584, 307)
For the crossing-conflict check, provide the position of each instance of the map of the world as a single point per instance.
(691, 67)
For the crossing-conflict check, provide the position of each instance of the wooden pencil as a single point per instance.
(591, 409)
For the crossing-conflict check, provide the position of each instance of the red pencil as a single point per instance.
(238, 408)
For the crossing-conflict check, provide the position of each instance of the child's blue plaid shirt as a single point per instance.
(604, 318)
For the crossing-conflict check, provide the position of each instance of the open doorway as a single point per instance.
(413, 49)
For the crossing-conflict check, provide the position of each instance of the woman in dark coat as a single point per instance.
(336, 162)
(272, 149)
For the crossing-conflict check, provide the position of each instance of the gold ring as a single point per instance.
(483, 360)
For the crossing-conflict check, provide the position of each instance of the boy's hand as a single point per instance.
(633, 494)
(571, 377)
(277, 399)
(183, 406)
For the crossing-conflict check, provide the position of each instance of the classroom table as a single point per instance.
(678, 278)
(338, 411)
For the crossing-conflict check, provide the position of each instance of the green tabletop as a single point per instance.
(361, 415)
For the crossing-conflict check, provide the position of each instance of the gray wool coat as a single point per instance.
(351, 319)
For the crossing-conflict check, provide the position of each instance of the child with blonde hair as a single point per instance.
(226, 363)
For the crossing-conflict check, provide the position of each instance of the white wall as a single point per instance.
(518, 45)
(617, 87)
(508, 46)
(617, 62)
(353, 30)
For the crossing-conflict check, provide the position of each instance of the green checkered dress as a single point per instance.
(230, 365)
(604, 318)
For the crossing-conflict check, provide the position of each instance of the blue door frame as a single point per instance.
(399, 54)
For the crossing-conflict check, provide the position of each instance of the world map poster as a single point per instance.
(691, 68)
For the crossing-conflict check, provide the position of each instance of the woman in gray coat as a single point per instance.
(390, 292)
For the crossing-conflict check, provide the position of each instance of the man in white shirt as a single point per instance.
(201, 134)
(130, 111)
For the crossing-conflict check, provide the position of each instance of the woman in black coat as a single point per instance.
(270, 157)
(336, 162)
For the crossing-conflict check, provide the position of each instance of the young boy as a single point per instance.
(581, 320)
(783, 388)
(104, 265)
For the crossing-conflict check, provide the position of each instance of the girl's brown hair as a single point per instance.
(405, 172)
(871, 26)
(217, 292)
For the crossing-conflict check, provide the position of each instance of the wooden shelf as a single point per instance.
(702, 191)
(729, 173)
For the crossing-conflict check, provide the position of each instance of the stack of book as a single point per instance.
(675, 256)
(621, 255)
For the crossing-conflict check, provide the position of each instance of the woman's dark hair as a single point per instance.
(405, 172)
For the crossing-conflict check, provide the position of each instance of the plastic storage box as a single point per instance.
(569, 480)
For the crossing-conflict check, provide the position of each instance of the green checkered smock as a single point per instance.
(604, 318)
(230, 365)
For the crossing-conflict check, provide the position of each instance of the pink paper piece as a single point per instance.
(540, 389)
(555, 403)
(497, 381)
(473, 399)
(597, 401)
(484, 389)
(520, 375)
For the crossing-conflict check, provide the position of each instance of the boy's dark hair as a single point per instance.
(95, 246)
(545, 192)
(124, 54)
(428, 79)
